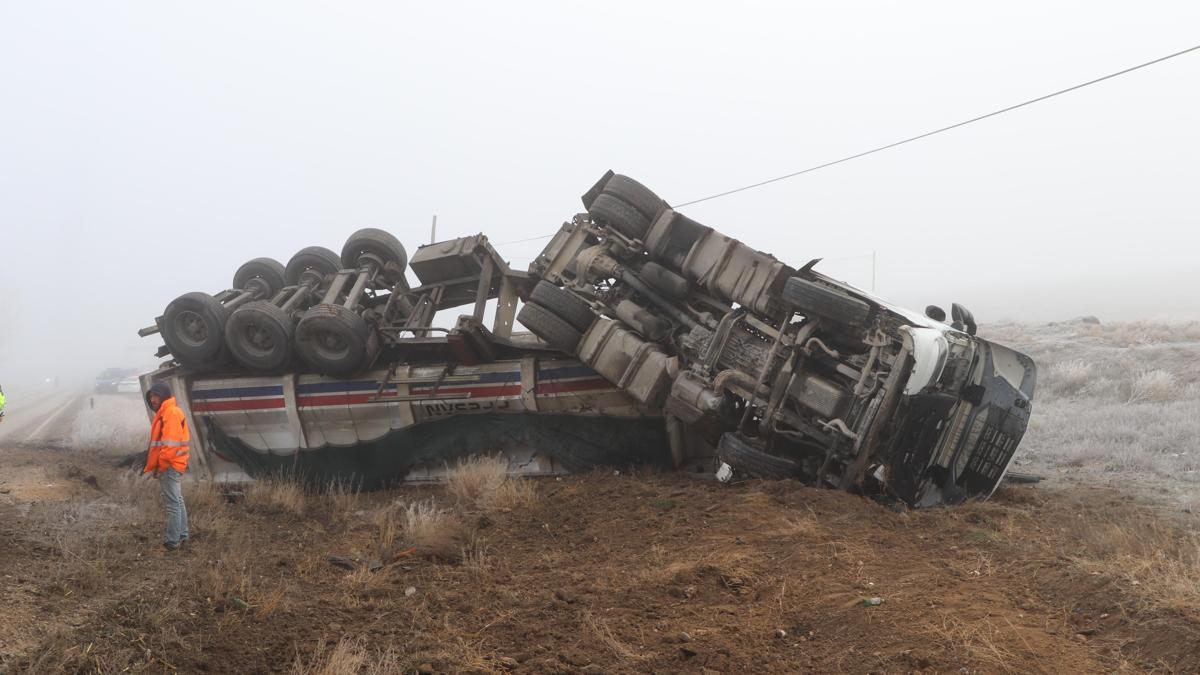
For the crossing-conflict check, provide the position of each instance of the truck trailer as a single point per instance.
(653, 339)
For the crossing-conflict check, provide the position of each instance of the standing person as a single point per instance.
(2, 402)
(167, 460)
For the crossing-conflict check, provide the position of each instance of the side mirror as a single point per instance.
(936, 313)
(963, 319)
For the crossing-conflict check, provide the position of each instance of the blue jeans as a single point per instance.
(172, 493)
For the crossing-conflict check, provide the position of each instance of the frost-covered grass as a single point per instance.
(1121, 397)
(112, 423)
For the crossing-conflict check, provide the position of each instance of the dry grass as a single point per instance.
(476, 559)
(600, 630)
(1155, 556)
(1154, 386)
(227, 572)
(1117, 398)
(276, 495)
(389, 529)
(968, 642)
(346, 657)
(84, 565)
(483, 483)
(471, 480)
(114, 423)
(137, 492)
(1134, 333)
(342, 498)
(1068, 377)
(432, 531)
(1159, 560)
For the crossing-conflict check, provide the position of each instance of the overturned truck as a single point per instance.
(654, 339)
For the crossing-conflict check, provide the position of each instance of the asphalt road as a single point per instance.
(45, 418)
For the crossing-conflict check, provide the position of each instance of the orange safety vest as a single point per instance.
(169, 439)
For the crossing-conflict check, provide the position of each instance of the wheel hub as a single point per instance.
(332, 344)
(259, 338)
(192, 328)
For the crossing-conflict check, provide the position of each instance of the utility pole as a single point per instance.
(433, 230)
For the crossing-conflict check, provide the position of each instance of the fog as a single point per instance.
(148, 149)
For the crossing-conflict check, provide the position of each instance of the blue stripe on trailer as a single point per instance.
(238, 392)
(565, 373)
(373, 385)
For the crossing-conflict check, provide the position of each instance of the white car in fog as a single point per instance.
(129, 385)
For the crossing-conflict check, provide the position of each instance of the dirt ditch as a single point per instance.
(591, 573)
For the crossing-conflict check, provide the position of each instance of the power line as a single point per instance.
(941, 130)
(907, 140)
(521, 241)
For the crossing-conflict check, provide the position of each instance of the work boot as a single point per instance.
(171, 546)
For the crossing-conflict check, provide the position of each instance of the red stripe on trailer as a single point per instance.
(329, 400)
(353, 399)
(225, 406)
(473, 392)
(337, 399)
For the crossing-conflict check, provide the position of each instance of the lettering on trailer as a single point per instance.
(455, 407)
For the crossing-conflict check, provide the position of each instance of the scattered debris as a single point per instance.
(343, 562)
(355, 564)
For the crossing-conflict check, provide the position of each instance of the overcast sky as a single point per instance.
(147, 149)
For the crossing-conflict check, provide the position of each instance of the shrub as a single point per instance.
(276, 496)
(433, 532)
(1068, 377)
(347, 657)
(1153, 386)
(484, 483)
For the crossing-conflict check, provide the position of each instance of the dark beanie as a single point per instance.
(160, 388)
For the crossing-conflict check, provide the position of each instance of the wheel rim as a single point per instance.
(258, 339)
(192, 328)
(331, 345)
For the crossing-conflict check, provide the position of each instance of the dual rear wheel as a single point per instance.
(205, 335)
(626, 206)
(557, 316)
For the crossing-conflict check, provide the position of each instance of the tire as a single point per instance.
(265, 276)
(259, 335)
(334, 340)
(568, 306)
(194, 329)
(550, 327)
(316, 258)
(664, 281)
(636, 195)
(809, 297)
(738, 453)
(382, 245)
(221, 363)
(620, 215)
